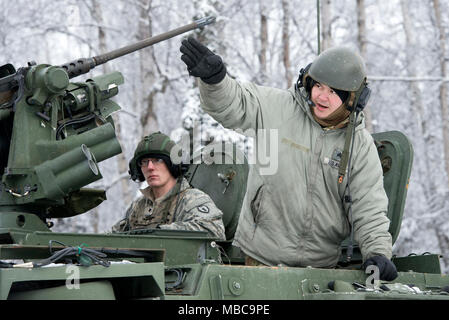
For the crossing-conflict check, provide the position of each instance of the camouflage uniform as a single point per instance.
(186, 209)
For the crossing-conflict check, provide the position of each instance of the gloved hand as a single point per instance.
(201, 62)
(387, 269)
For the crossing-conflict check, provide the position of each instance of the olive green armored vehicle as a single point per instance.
(53, 134)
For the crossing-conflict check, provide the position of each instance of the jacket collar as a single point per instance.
(148, 192)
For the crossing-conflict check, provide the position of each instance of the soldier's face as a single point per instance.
(325, 99)
(156, 172)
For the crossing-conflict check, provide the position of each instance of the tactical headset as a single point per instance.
(359, 98)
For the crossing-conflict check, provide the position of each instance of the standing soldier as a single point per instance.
(300, 215)
(169, 202)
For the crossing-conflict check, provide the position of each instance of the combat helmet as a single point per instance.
(341, 69)
(156, 145)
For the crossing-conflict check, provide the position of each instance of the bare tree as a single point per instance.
(443, 88)
(422, 168)
(97, 16)
(263, 41)
(416, 101)
(443, 239)
(410, 41)
(361, 39)
(148, 118)
(286, 41)
(326, 24)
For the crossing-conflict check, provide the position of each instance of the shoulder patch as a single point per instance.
(195, 198)
(203, 209)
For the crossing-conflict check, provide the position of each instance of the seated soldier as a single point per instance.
(169, 202)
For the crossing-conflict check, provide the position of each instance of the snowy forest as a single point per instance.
(404, 44)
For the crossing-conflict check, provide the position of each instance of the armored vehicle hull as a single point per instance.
(189, 265)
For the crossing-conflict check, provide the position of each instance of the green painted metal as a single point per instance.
(42, 168)
(78, 202)
(221, 170)
(220, 282)
(98, 290)
(196, 246)
(426, 263)
(396, 155)
(22, 222)
(139, 280)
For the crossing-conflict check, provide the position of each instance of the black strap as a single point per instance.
(345, 155)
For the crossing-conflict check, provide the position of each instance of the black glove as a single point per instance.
(201, 62)
(387, 269)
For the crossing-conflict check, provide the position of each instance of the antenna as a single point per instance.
(318, 25)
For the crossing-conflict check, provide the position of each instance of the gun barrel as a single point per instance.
(84, 65)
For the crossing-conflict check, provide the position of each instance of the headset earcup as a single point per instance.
(359, 103)
(363, 99)
(303, 75)
(135, 172)
(309, 82)
(179, 169)
(175, 170)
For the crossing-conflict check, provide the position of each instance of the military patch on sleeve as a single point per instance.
(203, 209)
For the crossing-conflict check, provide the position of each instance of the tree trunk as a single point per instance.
(361, 39)
(416, 102)
(443, 88)
(121, 159)
(98, 18)
(326, 25)
(263, 42)
(148, 117)
(411, 66)
(423, 164)
(286, 41)
(443, 241)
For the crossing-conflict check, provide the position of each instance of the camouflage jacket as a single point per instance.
(182, 208)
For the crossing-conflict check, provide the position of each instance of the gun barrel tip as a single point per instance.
(205, 21)
(211, 19)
